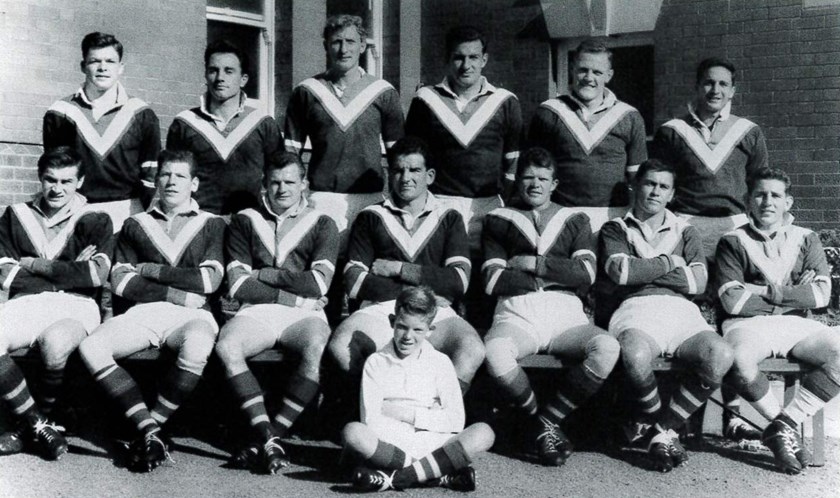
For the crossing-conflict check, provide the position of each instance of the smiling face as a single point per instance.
(465, 64)
(175, 185)
(590, 75)
(714, 90)
(410, 178)
(653, 192)
(535, 185)
(769, 203)
(344, 47)
(410, 331)
(284, 187)
(59, 186)
(224, 77)
(102, 68)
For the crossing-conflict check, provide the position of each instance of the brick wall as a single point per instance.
(788, 61)
(164, 43)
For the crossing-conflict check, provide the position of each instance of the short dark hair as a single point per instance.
(464, 34)
(282, 159)
(337, 23)
(711, 62)
(539, 157)
(417, 300)
(656, 166)
(226, 47)
(175, 156)
(100, 40)
(768, 174)
(591, 46)
(407, 146)
(61, 157)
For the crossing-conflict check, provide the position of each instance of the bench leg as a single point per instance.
(818, 421)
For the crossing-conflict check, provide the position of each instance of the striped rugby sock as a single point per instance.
(817, 389)
(646, 396)
(576, 386)
(389, 457)
(176, 387)
(118, 385)
(445, 460)
(52, 380)
(13, 389)
(690, 396)
(247, 390)
(517, 387)
(300, 391)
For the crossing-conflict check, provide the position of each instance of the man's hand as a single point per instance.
(185, 299)
(677, 261)
(86, 253)
(27, 262)
(759, 290)
(525, 263)
(148, 270)
(312, 304)
(386, 268)
(399, 412)
(807, 277)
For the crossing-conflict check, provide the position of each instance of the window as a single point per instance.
(250, 25)
(371, 13)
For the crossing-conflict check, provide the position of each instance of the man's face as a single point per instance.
(769, 203)
(653, 192)
(285, 187)
(535, 185)
(175, 185)
(224, 77)
(590, 75)
(715, 90)
(409, 177)
(344, 48)
(102, 68)
(410, 331)
(465, 64)
(59, 186)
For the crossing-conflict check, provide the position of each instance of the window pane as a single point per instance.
(250, 6)
(247, 38)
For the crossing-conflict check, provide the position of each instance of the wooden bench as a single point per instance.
(790, 371)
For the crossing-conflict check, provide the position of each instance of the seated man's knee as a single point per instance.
(96, 352)
(313, 351)
(501, 353)
(57, 343)
(353, 434)
(719, 360)
(744, 367)
(229, 349)
(470, 349)
(199, 341)
(602, 353)
(339, 348)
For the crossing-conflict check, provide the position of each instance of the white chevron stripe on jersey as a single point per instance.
(464, 132)
(303, 224)
(777, 268)
(345, 116)
(586, 138)
(410, 244)
(171, 249)
(100, 144)
(713, 159)
(664, 245)
(47, 249)
(224, 145)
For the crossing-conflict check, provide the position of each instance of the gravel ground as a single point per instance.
(715, 469)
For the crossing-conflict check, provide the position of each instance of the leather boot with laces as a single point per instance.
(274, 456)
(553, 447)
(365, 479)
(660, 453)
(150, 452)
(461, 480)
(678, 454)
(784, 443)
(48, 436)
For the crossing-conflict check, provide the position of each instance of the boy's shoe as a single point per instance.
(461, 480)
(365, 479)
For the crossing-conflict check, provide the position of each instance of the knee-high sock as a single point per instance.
(121, 388)
(442, 461)
(300, 391)
(517, 387)
(759, 396)
(389, 457)
(52, 380)
(575, 387)
(14, 391)
(691, 395)
(646, 396)
(817, 389)
(247, 390)
(176, 387)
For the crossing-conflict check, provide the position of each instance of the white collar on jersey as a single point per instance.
(116, 96)
(670, 222)
(73, 206)
(192, 208)
(220, 122)
(787, 222)
(290, 213)
(609, 100)
(461, 103)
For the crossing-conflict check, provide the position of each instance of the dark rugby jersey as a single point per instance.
(267, 253)
(119, 150)
(344, 131)
(56, 242)
(230, 162)
(560, 239)
(470, 147)
(593, 155)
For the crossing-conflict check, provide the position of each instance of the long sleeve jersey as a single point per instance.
(639, 260)
(775, 261)
(55, 243)
(473, 143)
(560, 239)
(713, 164)
(274, 259)
(230, 155)
(119, 148)
(432, 248)
(425, 381)
(186, 250)
(346, 131)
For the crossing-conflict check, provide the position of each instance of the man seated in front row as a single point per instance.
(407, 240)
(770, 273)
(654, 263)
(537, 255)
(281, 260)
(168, 261)
(412, 425)
(54, 255)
